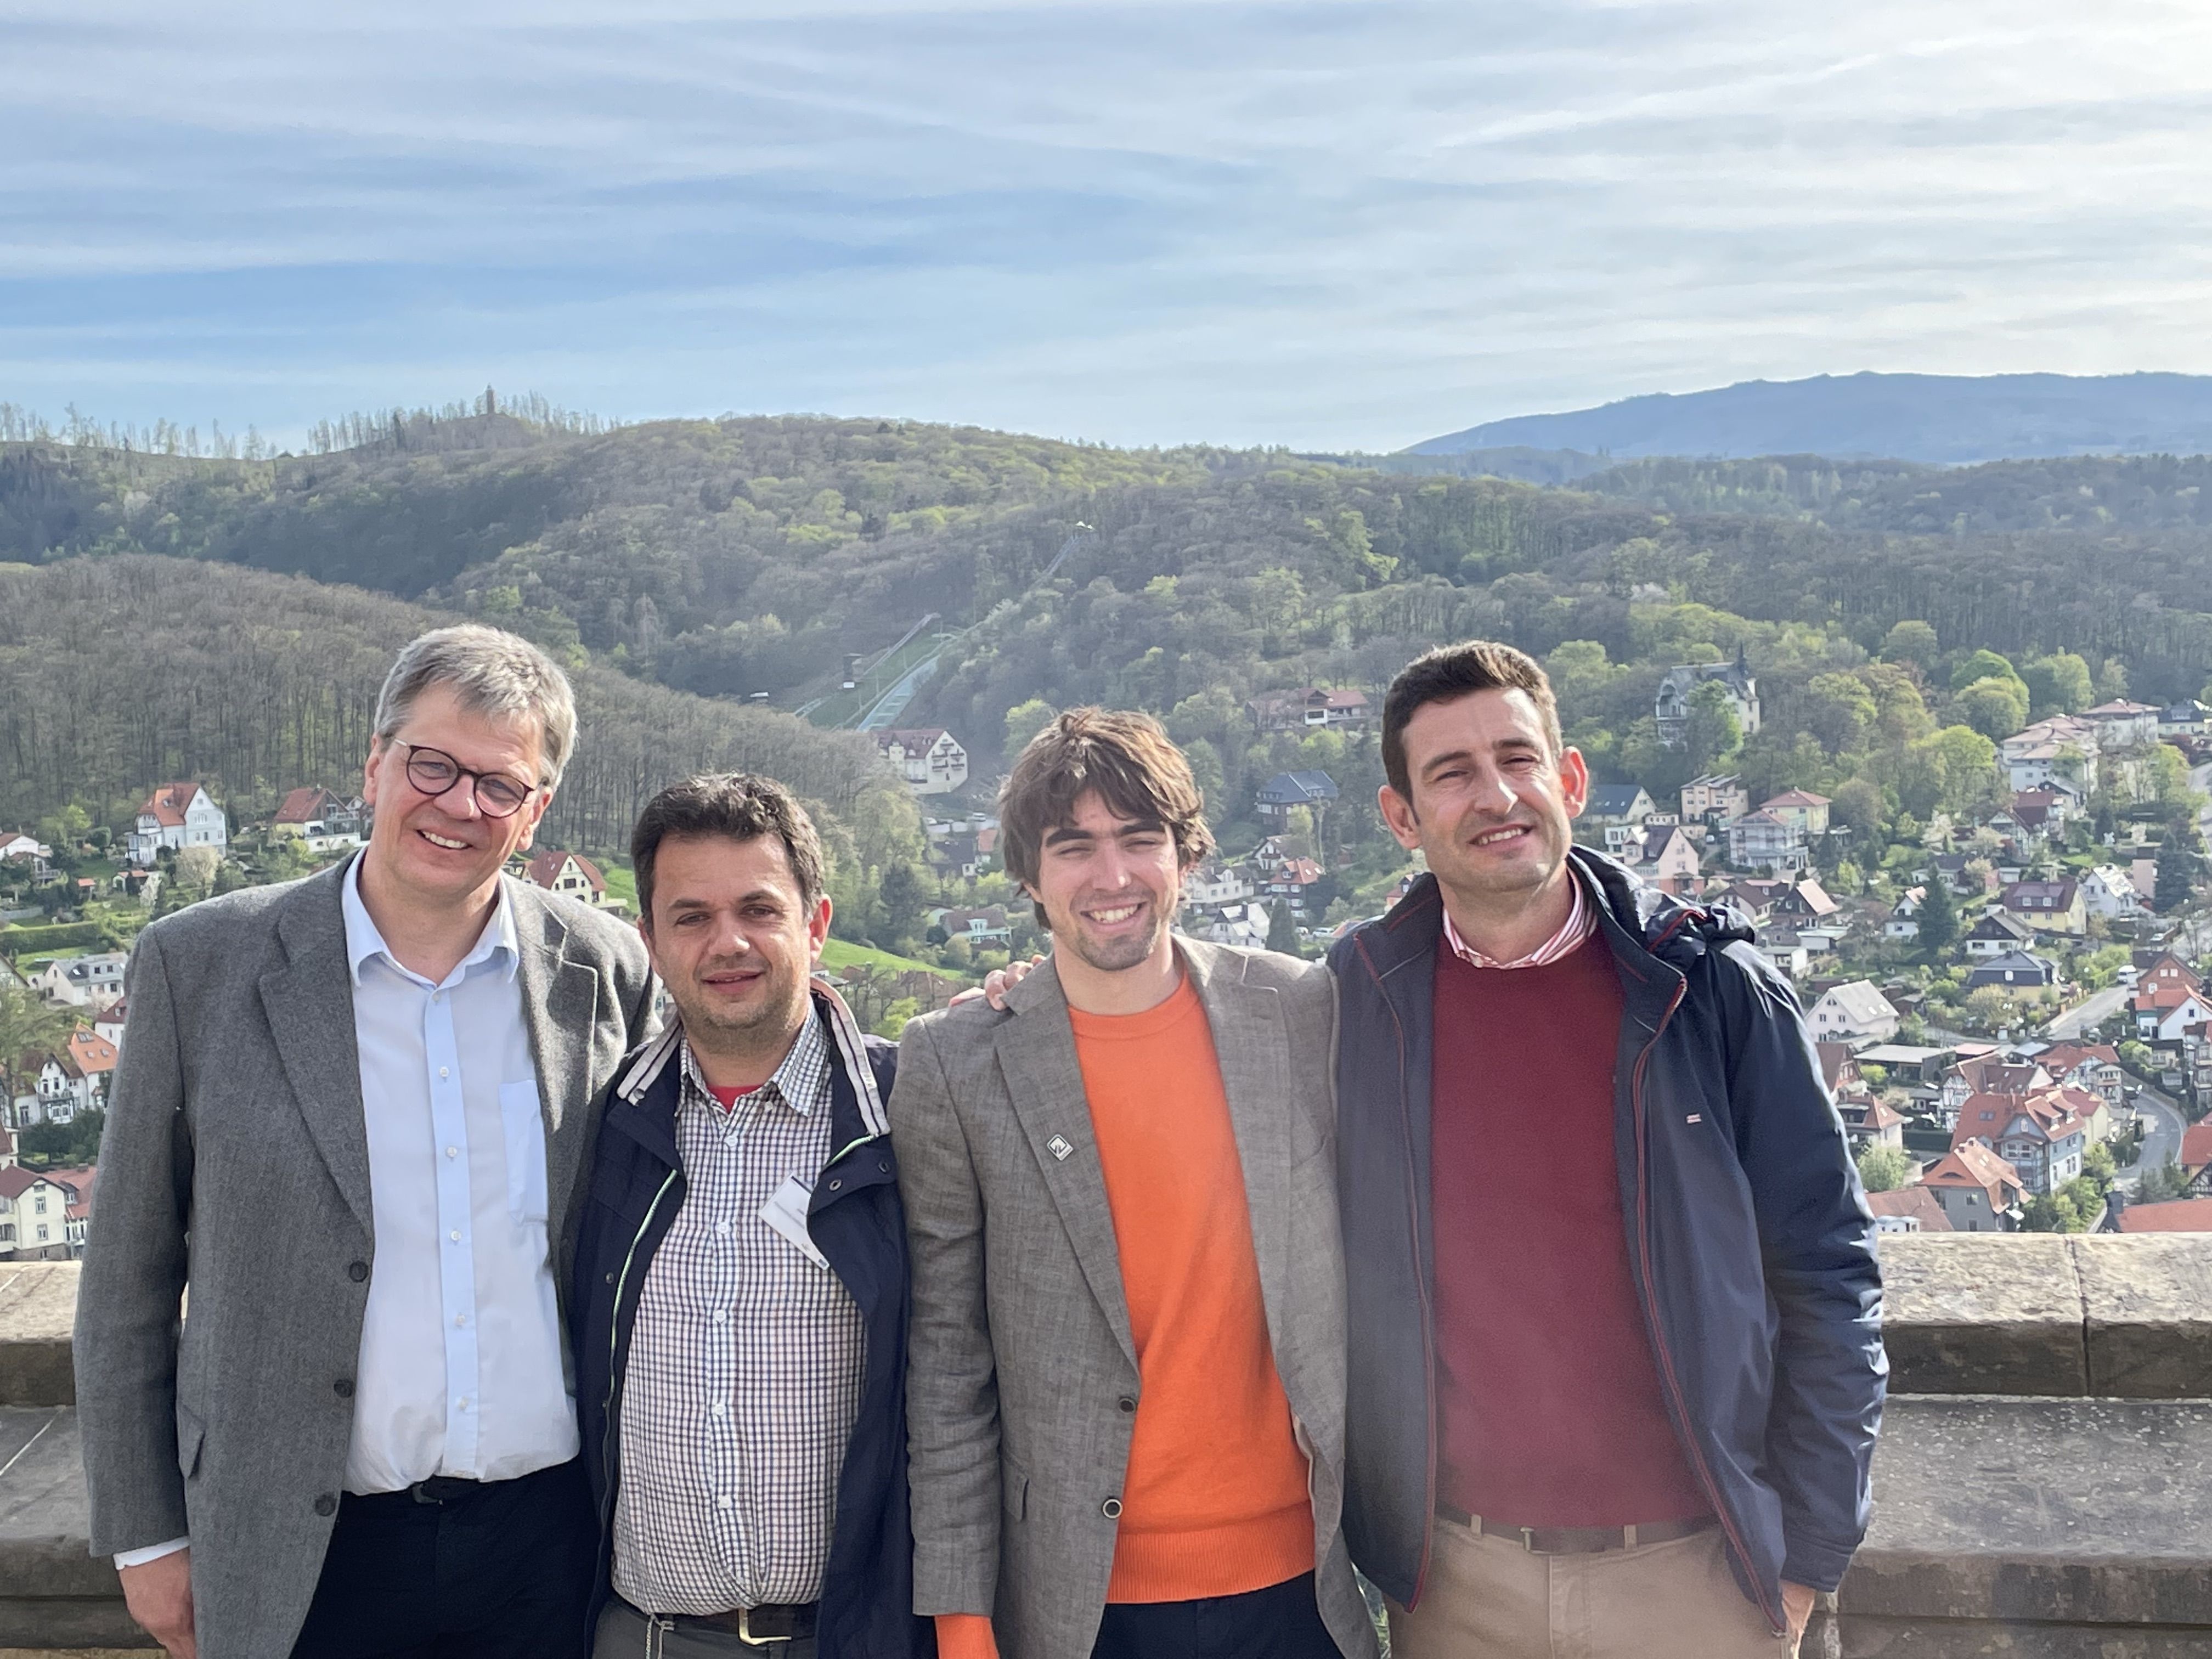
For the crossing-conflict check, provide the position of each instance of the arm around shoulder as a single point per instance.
(134, 1278)
(953, 1396)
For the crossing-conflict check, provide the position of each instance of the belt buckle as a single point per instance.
(745, 1632)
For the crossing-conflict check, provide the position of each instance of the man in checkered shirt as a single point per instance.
(740, 1281)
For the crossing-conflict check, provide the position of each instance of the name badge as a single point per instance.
(785, 1211)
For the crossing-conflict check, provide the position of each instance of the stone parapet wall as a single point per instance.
(2043, 1488)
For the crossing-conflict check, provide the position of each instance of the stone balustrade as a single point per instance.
(2043, 1488)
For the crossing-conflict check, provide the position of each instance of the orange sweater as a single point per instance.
(1215, 1499)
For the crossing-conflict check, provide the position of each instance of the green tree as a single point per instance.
(1714, 733)
(1912, 642)
(1282, 930)
(895, 1017)
(2058, 684)
(1993, 707)
(28, 1031)
(1840, 710)
(1883, 1169)
(1938, 917)
(904, 893)
(2177, 873)
(1023, 721)
(1982, 666)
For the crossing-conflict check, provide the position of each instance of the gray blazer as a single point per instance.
(236, 1161)
(1021, 1347)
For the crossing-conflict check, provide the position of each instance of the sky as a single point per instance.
(1330, 225)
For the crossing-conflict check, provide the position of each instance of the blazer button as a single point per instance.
(326, 1504)
(834, 1185)
(1126, 1403)
(1111, 1509)
(611, 1279)
(884, 1164)
(357, 1272)
(342, 1387)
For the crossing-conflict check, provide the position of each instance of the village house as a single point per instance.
(2042, 811)
(2094, 1066)
(557, 871)
(2036, 1133)
(2194, 1160)
(984, 928)
(1854, 1012)
(1805, 903)
(929, 759)
(2123, 725)
(321, 818)
(29, 849)
(2185, 719)
(2049, 907)
(2013, 970)
(1808, 812)
(2163, 982)
(35, 1215)
(1871, 1122)
(108, 1024)
(1666, 857)
(2189, 1018)
(1979, 1191)
(1672, 706)
(1760, 841)
(1912, 1209)
(2109, 891)
(1285, 792)
(177, 815)
(1215, 883)
(2172, 1215)
(86, 981)
(1997, 934)
(1616, 806)
(1309, 707)
(1904, 921)
(1241, 925)
(2061, 752)
(1713, 798)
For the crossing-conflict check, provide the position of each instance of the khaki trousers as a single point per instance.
(1488, 1598)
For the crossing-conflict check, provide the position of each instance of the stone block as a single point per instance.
(37, 1310)
(1983, 1313)
(2147, 1303)
(2038, 1513)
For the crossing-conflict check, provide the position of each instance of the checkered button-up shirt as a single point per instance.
(744, 1369)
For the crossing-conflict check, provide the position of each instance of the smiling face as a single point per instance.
(1109, 886)
(733, 941)
(1493, 807)
(441, 849)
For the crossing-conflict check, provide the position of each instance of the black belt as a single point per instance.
(1575, 1541)
(444, 1491)
(782, 1621)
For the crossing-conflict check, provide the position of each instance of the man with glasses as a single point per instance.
(353, 1123)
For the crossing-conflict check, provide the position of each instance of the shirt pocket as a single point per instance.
(525, 1133)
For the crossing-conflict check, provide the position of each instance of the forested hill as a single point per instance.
(116, 673)
(1918, 417)
(749, 556)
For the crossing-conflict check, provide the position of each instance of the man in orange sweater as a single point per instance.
(1126, 1386)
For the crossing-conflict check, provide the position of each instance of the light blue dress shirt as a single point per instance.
(464, 1366)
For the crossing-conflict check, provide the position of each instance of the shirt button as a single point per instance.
(720, 1317)
(723, 1228)
(715, 1410)
(721, 1502)
(463, 1402)
(455, 1235)
(442, 1072)
(452, 1151)
(460, 1320)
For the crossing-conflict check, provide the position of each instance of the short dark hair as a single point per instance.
(742, 805)
(1125, 756)
(1449, 673)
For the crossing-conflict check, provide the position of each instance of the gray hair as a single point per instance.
(494, 675)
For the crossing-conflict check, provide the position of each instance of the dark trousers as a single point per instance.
(502, 1571)
(1280, 1622)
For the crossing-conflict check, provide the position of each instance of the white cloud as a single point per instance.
(1350, 223)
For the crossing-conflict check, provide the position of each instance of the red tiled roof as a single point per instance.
(2196, 1145)
(168, 803)
(301, 805)
(92, 1052)
(1972, 1166)
(1916, 1203)
(2172, 1215)
(545, 869)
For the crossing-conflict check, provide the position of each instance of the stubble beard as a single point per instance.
(1115, 955)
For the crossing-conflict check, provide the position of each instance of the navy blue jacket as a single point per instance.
(1749, 1241)
(856, 1221)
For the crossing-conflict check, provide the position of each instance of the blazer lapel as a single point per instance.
(1252, 1050)
(560, 1008)
(309, 1006)
(1036, 1054)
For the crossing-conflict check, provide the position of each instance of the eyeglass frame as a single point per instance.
(461, 774)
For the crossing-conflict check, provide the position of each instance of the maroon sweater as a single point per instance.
(1548, 1400)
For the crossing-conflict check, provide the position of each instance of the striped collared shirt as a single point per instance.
(1581, 923)
(745, 1360)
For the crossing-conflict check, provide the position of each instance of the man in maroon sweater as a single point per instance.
(1582, 1504)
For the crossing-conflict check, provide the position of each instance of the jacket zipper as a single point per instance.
(1658, 1330)
(614, 1343)
(1420, 1287)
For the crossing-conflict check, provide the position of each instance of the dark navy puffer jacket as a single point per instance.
(1748, 1236)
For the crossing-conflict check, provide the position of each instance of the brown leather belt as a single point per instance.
(754, 1626)
(1575, 1540)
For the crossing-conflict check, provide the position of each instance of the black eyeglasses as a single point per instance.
(434, 772)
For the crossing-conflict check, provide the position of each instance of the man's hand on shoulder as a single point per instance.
(997, 983)
(159, 1595)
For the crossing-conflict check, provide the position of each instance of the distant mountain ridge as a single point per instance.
(1944, 419)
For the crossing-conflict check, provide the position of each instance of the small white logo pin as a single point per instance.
(1059, 1148)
